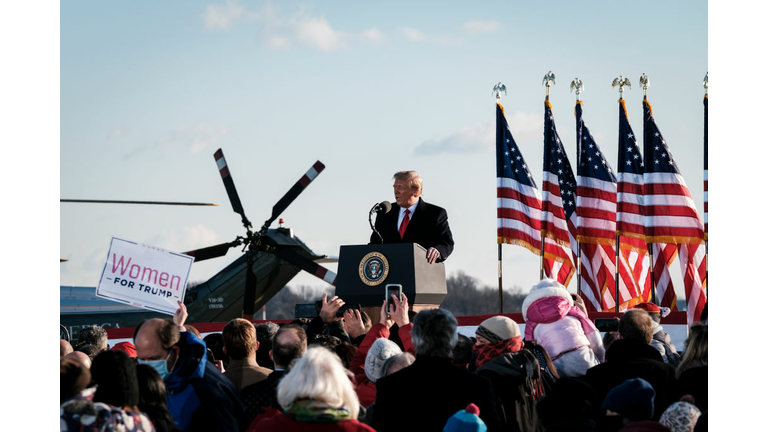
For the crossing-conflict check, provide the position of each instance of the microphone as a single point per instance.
(382, 207)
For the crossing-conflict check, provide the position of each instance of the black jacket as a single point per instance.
(627, 359)
(422, 396)
(261, 395)
(428, 227)
(516, 382)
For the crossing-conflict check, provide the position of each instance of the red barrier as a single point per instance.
(674, 318)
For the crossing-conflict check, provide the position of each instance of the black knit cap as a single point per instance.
(115, 374)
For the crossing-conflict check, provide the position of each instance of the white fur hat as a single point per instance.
(380, 351)
(545, 288)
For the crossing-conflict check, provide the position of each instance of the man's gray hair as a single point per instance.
(435, 333)
(94, 335)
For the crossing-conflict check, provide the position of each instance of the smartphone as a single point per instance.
(607, 324)
(209, 354)
(305, 311)
(393, 289)
(346, 307)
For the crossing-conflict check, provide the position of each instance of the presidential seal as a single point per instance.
(374, 268)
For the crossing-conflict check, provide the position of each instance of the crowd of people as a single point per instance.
(400, 371)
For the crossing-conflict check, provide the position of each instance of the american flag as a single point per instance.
(671, 215)
(663, 255)
(558, 222)
(518, 201)
(518, 204)
(596, 209)
(629, 207)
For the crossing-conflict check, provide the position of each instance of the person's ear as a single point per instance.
(224, 349)
(270, 356)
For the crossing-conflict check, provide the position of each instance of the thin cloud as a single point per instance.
(373, 35)
(192, 139)
(476, 26)
(415, 35)
(481, 136)
(318, 33)
(217, 16)
(279, 32)
(469, 139)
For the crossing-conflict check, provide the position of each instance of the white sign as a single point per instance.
(144, 276)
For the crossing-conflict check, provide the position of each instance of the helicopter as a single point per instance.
(271, 258)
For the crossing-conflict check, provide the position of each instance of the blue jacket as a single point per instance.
(199, 396)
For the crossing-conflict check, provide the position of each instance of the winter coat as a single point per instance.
(570, 338)
(83, 415)
(627, 359)
(516, 383)
(281, 422)
(199, 396)
(422, 396)
(663, 343)
(365, 389)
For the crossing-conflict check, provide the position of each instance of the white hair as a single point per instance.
(319, 376)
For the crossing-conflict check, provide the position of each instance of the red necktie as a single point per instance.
(404, 223)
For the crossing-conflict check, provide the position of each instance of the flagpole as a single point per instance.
(646, 83)
(653, 280)
(501, 298)
(577, 85)
(549, 78)
(498, 89)
(621, 82)
(706, 184)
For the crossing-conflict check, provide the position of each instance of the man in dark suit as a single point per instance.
(422, 396)
(413, 220)
(289, 343)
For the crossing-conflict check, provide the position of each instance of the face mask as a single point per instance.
(161, 366)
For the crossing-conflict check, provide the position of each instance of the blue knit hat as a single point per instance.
(466, 420)
(632, 399)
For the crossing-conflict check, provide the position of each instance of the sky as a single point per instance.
(149, 91)
(130, 101)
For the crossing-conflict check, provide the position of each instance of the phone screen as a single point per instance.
(607, 324)
(305, 311)
(393, 289)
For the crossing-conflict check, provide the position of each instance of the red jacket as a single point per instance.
(366, 390)
(281, 422)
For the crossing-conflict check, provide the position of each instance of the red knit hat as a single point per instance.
(648, 307)
(127, 347)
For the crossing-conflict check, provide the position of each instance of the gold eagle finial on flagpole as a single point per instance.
(621, 82)
(498, 88)
(549, 79)
(645, 83)
(577, 85)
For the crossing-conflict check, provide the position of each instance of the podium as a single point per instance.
(365, 271)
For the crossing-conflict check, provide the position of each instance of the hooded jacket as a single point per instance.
(552, 320)
(199, 396)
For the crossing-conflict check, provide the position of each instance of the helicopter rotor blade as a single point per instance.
(229, 185)
(135, 202)
(294, 192)
(212, 251)
(307, 265)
